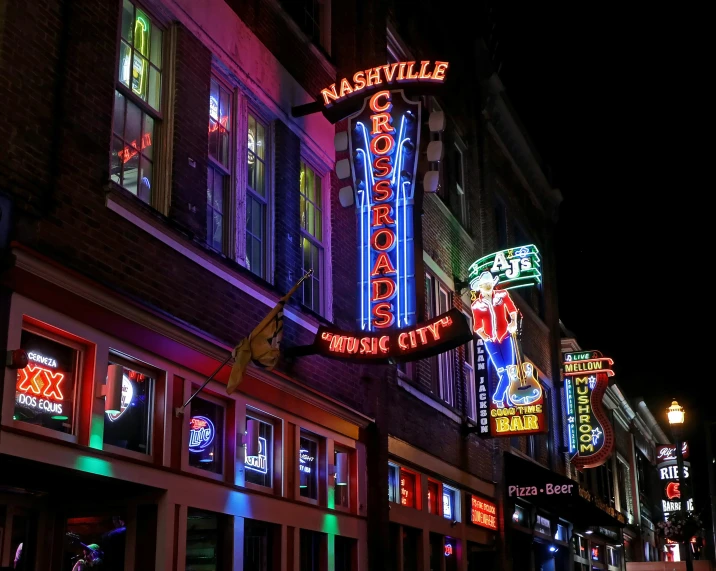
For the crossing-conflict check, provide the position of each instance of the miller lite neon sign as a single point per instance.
(201, 433)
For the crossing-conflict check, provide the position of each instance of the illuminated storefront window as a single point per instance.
(219, 171)
(206, 436)
(433, 506)
(259, 468)
(341, 484)
(308, 467)
(542, 525)
(95, 541)
(450, 505)
(45, 388)
(130, 427)
(518, 516)
(257, 197)
(407, 489)
(393, 483)
(205, 532)
(137, 102)
(311, 236)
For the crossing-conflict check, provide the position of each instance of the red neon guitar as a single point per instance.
(524, 387)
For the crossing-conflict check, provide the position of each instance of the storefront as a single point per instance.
(441, 518)
(554, 524)
(98, 464)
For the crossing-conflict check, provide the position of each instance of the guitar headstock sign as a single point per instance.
(590, 435)
(511, 401)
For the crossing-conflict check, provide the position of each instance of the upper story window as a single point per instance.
(45, 388)
(312, 237)
(308, 466)
(137, 102)
(130, 427)
(501, 225)
(314, 19)
(438, 300)
(457, 200)
(257, 197)
(219, 171)
(624, 485)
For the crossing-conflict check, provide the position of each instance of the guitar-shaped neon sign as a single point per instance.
(524, 387)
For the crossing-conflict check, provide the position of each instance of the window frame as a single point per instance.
(463, 216)
(320, 175)
(456, 503)
(256, 414)
(320, 442)
(444, 363)
(120, 358)
(624, 503)
(157, 200)
(469, 376)
(339, 448)
(189, 387)
(248, 192)
(230, 171)
(37, 327)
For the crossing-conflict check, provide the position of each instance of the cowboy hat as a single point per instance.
(484, 278)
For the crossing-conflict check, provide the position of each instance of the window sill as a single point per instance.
(182, 241)
(119, 451)
(418, 394)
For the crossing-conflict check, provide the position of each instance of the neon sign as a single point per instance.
(305, 459)
(130, 151)
(448, 550)
(40, 381)
(672, 491)
(671, 494)
(127, 397)
(447, 505)
(407, 489)
(260, 463)
(665, 452)
(39, 358)
(590, 435)
(437, 335)
(201, 433)
(391, 73)
(514, 267)
(517, 400)
(483, 513)
(384, 138)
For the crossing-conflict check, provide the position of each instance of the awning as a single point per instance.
(530, 482)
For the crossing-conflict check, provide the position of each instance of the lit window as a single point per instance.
(451, 503)
(308, 467)
(259, 466)
(137, 102)
(311, 236)
(543, 525)
(206, 436)
(257, 198)
(561, 534)
(45, 388)
(219, 171)
(130, 427)
(433, 506)
(393, 483)
(518, 516)
(341, 485)
(438, 301)
(407, 489)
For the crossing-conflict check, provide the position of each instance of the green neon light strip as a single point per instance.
(477, 268)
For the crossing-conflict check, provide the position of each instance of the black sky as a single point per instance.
(613, 97)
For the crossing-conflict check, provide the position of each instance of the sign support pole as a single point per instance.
(180, 410)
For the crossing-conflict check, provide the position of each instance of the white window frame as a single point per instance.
(229, 224)
(244, 190)
(323, 175)
(256, 414)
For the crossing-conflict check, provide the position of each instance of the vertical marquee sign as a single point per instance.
(515, 405)
(384, 139)
(590, 435)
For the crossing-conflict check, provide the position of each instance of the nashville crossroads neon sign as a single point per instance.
(400, 72)
(384, 138)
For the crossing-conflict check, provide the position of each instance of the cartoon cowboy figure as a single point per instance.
(495, 318)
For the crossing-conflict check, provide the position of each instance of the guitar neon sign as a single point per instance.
(590, 435)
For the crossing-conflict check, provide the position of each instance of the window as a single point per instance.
(219, 170)
(456, 171)
(605, 483)
(407, 488)
(308, 467)
(345, 549)
(438, 301)
(341, 483)
(543, 525)
(206, 436)
(433, 105)
(501, 225)
(204, 545)
(433, 506)
(451, 503)
(311, 236)
(518, 516)
(561, 533)
(614, 558)
(258, 468)
(313, 17)
(624, 483)
(393, 483)
(131, 427)
(311, 545)
(96, 540)
(137, 102)
(45, 388)
(257, 198)
(260, 540)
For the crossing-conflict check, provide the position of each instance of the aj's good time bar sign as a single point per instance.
(590, 435)
(511, 400)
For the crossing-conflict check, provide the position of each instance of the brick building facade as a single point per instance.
(161, 197)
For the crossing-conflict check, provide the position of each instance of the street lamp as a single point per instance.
(676, 416)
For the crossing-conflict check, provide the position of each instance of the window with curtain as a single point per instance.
(137, 102)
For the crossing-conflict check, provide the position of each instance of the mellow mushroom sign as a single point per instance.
(383, 111)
